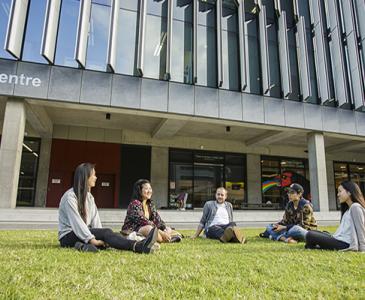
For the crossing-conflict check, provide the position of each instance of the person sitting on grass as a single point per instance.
(350, 235)
(79, 224)
(217, 220)
(142, 216)
(297, 220)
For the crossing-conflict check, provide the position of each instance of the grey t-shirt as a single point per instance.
(69, 218)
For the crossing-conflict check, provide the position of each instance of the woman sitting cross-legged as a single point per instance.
(142, 215)
(350, 235)
(79, 224)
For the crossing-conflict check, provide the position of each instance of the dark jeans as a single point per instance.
(113, 239)
(321, 240)
(216, 231)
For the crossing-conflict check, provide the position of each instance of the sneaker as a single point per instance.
(147, 245)
(227, 235)
(238, 236)
(85, 247)
(175, 239)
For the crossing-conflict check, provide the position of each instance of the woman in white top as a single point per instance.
(79, 224)
(350, 235)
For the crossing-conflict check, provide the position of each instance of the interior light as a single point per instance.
(26, 147)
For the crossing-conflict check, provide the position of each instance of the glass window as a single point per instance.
(230, 42)
(207, 44)
(253, 65)
(28, 172)
(197, 174)
(4, 17)
(127, 42)
(287, 6)
(279, 173)
(156, 39)
(303, 10)
(349, 171)
(67, 29)
(97, 45)
(33, 32)
(272, 35)
(182, 42)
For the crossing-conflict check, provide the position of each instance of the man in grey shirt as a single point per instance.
(217, 220)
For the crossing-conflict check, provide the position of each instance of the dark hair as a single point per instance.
(137, 189)
(355, 194)
(80, 186)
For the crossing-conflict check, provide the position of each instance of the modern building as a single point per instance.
(191, 94)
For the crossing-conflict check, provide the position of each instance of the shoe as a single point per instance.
(147, 245)
(175, 239)
(227, 235)
(85, 247)
(238, 236)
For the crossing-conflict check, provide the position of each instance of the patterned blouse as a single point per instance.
(135, 218)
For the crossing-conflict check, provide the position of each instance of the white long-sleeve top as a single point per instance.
(69, 218)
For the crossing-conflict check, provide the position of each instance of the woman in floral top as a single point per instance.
(142, 215)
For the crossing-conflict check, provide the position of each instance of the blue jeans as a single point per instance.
(296, 232)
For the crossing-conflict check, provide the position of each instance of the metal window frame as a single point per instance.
(285, 69)
(141, 35)
(50, 27)
(195, 40)
(82, 32)
(219, 43)
(242, 43)
(303, 60)
(264, 50)
(16, 27)
(170, 16)
(111, 60)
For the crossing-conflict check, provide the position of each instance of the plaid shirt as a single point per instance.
(135, 218)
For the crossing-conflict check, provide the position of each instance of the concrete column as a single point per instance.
(43, 171)
(317, 171)
(253, 185)
(11, 151)
(159, 175)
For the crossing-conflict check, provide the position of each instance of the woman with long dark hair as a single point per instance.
(350, 235)
(142, 215)
(79, 224)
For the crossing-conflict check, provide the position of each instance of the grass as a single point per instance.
(34, 267)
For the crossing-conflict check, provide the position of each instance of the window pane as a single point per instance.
(67, 29)
(230, 51)
(28, 172)
(98, 37)
(4, 17)
(34, 31)
(127, 42)
(252, 50)
(207, 45)
(357, 174)
(155, 47)
(279, 173)
(182, 43)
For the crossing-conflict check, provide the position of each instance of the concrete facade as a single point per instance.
(11, 151)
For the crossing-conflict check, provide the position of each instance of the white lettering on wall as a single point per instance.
(20, 80)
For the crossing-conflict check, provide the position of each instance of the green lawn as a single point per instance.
(34, 267)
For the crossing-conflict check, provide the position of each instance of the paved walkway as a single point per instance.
(47, 218)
